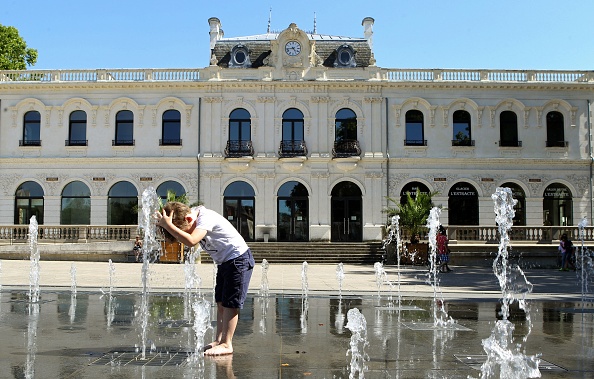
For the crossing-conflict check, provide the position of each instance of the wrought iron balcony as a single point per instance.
(123, 142)
(557, 143)
(415, 142)
(170, 142)
(77, 142)
(503, 143)
(292, 148)
(238, 148)
(30, 142)
(346, 148)
(462, 142)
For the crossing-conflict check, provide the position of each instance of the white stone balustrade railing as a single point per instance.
(392, 75)
(68, 233)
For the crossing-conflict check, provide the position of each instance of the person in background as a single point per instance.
(566, 250)
(443, 251)
(138, 249)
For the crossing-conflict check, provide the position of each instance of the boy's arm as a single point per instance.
(188, 239)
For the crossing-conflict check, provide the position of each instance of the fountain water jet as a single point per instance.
(340, 278)
(34, 258)
(304, 281)
(357, 324)
(505, 358)
(264, 290)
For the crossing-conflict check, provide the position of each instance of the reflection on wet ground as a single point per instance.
(285, 336)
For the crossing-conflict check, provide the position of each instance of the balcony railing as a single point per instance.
(503, 143)
(415, 142)
(346, 149)
(462, 142)
(557, 143)
(30, 142)
(68, 233)
(170, 142)
(237, 149)
(77, 142)
(123, 142)
(290, 149)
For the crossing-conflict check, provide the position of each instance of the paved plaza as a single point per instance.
(284, 334)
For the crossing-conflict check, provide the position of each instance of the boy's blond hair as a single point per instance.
(180, 211)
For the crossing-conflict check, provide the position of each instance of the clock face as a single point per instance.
(292, 48)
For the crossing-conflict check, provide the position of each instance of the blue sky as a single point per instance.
(475, 34)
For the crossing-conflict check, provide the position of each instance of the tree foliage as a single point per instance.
(14, 53)
(414, 212)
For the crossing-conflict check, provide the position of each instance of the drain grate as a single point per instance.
(163, 358)
(431, 326)
(476, 361)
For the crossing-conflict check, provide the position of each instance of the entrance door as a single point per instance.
(347, 213)
(293, 213)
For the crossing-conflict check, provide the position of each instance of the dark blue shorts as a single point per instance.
(233, 280)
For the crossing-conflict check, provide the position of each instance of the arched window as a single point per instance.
(411, 188)
(240, 134)
(77, 129)
(124, 129)
(462, 131)
(346, 213)
(31, 129)
(508, 129)
(293, 212)
(122, 202)
(171, 128)
(345, 134)
(520, 207)
(76, 204)
(170, 186)
(238, 208)
(463, 205)
(555, 130)
(293, 143)
(28, 201)
(414, 129)
(557, 205)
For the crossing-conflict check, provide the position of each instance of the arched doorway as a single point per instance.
(293, 212)
(411, 188)
(122, 201)
(28, 201)
(238, 208)
(463, 204)
(347, 213)
(76, 204)
(520, 207)
(557, 205)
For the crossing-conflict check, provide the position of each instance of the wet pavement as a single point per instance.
(285, 334)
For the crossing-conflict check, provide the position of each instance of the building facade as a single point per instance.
(295, 136)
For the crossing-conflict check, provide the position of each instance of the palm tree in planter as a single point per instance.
(413, 219)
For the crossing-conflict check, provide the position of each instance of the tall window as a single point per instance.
(76, 204)
(124, 128)
(414, 128)
(293, 142)
(171, 128)
(28, 200)
(463, 204)
(461, 124)
(31, 129)
(238, 208)
(240, 138)
(345, 134)
(77, 130)
(557, 205)
(555, 132)
(508, 129)
(520, 207)
(170, 187)
(122, 202)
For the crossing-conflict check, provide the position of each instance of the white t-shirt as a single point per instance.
(222, 241)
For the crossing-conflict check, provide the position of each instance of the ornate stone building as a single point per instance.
(295, 136)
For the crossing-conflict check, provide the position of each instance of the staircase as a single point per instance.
(314, 252)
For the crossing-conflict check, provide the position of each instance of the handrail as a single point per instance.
(10, 234)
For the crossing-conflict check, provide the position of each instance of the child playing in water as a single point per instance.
(229, 251)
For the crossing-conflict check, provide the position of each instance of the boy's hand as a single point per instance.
(163, 219)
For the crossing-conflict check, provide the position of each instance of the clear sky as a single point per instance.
(475, 34)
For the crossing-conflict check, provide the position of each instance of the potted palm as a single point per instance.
(413, 215)
(173, 251)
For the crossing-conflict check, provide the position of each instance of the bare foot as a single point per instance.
(219, 349)
(210, 345)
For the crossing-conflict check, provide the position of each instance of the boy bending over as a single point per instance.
(229, 251)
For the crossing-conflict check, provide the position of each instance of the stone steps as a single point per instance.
(314, 252)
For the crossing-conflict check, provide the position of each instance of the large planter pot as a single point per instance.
(416, 254)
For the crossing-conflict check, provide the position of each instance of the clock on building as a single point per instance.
(292, 48)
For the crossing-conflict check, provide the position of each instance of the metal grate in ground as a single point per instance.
(132, 357)
(476, 361)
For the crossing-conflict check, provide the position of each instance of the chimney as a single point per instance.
(216, 33)
(368, 30)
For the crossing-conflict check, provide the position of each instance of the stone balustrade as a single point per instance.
(391, 75)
